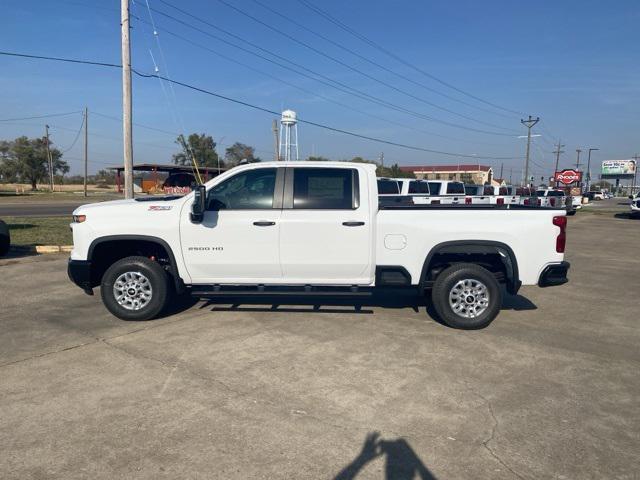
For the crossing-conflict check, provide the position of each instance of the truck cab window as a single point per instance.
(250, 190)
(416, 186)
(388, 187)
(324, 188)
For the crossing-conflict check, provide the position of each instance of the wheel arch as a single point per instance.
(131, 242)
(475, 247)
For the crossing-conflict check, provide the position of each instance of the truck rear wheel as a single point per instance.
(466, 296)
(134, 288)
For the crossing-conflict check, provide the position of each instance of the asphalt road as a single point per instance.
(50, 209)
(549, 390)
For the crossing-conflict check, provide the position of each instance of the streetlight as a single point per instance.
(589, 169)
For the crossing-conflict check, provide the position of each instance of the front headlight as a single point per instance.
(79, 218)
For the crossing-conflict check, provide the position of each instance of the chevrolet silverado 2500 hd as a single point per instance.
(311, 228)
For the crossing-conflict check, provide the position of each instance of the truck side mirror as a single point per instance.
(199, 204)
(630, 197)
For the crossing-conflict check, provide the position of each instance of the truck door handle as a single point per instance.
(264, 223)
(353, 224)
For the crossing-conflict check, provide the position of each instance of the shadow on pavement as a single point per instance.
(517, 302)
(627, 216)
(402, 463)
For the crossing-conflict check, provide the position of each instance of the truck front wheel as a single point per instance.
(134, 288)
(466, 296)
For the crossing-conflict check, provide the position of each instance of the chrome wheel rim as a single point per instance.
(132, 291)
(469, 298)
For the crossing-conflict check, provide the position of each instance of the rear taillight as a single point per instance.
(435, 202)
(527, 201)
(500, 201)
(561, 239)
(467, 200)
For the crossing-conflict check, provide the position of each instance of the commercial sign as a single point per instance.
(618, 168)
(568, 176)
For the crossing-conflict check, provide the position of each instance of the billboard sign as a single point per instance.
(618, 168)
(568, 176)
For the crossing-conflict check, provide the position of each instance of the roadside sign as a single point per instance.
(618, 168)
(568, 176)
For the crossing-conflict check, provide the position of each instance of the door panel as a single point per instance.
(238, 238)
(325, 235)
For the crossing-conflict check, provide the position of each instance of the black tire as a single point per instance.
(140, 269)
(445, 283)
(571, 213)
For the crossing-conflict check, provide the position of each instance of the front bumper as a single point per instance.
(553, 275)
(79, 272)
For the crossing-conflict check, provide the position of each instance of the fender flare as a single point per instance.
(173, 266)
(507, 257)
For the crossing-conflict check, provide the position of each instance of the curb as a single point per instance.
(43, 249)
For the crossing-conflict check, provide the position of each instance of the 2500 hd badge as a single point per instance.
(206, 249)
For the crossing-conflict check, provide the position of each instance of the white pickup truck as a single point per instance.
(309, 229)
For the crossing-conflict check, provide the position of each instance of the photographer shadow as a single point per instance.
(402, 463)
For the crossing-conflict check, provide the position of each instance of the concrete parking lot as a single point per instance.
(549, 390)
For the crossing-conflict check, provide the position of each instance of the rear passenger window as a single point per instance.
(488, 190)
(434, 188)
(455, 188)
(388, 187)
(418, 187)
(504, 191)
(324, 188)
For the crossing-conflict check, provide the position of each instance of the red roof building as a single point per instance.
(467, 173)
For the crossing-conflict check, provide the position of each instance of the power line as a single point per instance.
(351, 90)
(41, 116)
(77, 136)
(351, 67)
(318, 95)
(262, 109)
(375, 45)
(373, 62)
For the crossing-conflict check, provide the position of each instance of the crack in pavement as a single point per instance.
(494, 429)
(95, 340)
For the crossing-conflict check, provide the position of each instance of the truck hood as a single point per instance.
(129, 207)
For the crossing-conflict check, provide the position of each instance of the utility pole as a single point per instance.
(578, 150)
(635, 175)
(382, 159)
(558, 151)
(529, 123)
(127, 111)
(86, 148)
(501, 168)
(49, 159)
(588, 183)
(274, 127)
(511, 176)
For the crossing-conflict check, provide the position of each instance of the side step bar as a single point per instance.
(263, 290)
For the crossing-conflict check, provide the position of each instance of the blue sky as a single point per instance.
(573, 63)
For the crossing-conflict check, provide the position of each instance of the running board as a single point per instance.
(263, 290)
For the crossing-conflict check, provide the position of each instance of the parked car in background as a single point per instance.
(634, 206)
(5, 239)
(452, 192)
(474, 195)
(403, 190)
(526, 195)
(598, 195)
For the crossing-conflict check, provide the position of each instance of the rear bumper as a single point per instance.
(79, 272)
(553, 275)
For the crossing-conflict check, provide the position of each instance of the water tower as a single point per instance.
(288, 136)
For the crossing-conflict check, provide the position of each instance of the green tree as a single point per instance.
(25, 160)
(198, 146)
(317, 159)
(239, 152)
